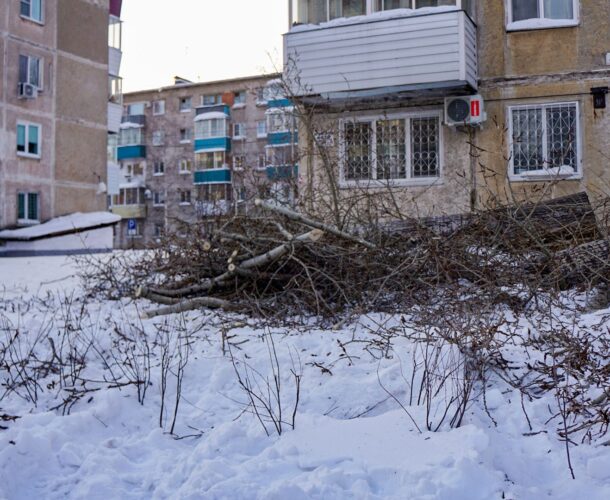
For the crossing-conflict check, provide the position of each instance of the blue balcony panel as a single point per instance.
(279, 103)
(282, 138)
(213, 176)
(130, 152)
(282, 172)
(214, 144)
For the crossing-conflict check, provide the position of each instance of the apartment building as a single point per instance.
(451, 104)
(201, 151)
(53, 108)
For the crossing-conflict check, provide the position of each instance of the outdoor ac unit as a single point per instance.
(27, 91)
(464, 110)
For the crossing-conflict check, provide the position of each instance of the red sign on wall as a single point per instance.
(475, 108)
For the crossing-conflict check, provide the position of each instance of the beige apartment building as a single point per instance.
(199, 152)
(440, 106)
(53, 108)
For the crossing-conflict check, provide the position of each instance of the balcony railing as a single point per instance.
(114, 61)
(130, 211)
(135, 119)
(115, 111)
(376, 55)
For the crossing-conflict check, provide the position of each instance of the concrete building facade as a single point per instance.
(53, 108)
(197, 152)
(433, 107)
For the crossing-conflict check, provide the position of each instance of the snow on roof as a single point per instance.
(210, 115)
(68, 224)
(377, 16)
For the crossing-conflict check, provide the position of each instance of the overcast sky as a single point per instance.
(200, 40)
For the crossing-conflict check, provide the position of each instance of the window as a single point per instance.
(158, 198)
(30, 71)
(158, 108)
(260, 96)
(239, 162)
(185, 104)
(28, 140)
(553, 12)
(129, 196)
(185, 197)
(213, 193)
(158, 168)
(240, 98)
(239, 130)
(207, 129)
(207, 161)
(401, 148)
(135, 109)
(158, 138)
(211, 99)
(27, 207)
(159, 230)
(32, 9)
(184, 166)
(261, 128)
(319, 11)
(279, 121)
(545, 137)
(262, 161)
(280, 156)
(185, 135)
(130, 136)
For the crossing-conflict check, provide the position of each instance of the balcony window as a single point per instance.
(280, 156)
(32, 9)
(27, 208)
(211, 99)
(115, 33)
(130, 137)
(28, 140)
(280, 121)
(207, 161)
(213, 127)
(545, 140)
(213, 193)
(319, 11)
(134, 109)
(405, 148)
(129, 196)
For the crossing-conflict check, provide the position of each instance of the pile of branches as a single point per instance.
(279, 262)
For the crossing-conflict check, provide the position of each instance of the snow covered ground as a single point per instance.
(351, 439)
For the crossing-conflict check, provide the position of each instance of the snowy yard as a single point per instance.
(352, 438)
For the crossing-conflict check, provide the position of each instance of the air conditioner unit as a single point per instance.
(464, 110)
(27, 91)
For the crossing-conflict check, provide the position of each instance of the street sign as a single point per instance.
(132, 227)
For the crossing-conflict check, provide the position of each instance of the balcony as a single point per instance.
(130, 211)
(131, 152)
(282, 172)
(391, 52)
(115, 112)
(282, 138)
(134, 120)
(212, 144)
(213, 176)
(114, 61)
(214, 108)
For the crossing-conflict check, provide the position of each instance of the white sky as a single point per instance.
(201, 40)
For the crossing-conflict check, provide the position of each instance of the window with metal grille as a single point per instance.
(544, 137)
(392, 149)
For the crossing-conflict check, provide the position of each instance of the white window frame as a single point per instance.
(190, 107)
(189, 135)
(26, 201)
(184, 166)
(288, 120)
(239, 131)
(40, 63)
(217, 99)
(223, 165)
(29, 17)
(543, 22)
(138, 137)
(525, 177)
(239, 165)
(159, 198)
(158, 138)
(408, 181)
(27, 125)
(263, 134)
(202, 133)
(190, 196)
(158, 107)
(241, 103)
(156, 171)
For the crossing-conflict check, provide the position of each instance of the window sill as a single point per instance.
(186, 110)
(185, 141)
(239, 105)
(184, 172)
(239, 137)
(158, 175)
(184, 204)
(261, 136)
(29, 156)
(28, 222)
(374, 184)
(158, 205)
(545, 177)
(32, 20)
(260, 104)
(541, 24)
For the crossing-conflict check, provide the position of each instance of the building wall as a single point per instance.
(71, 108)
(174, 215)
(515, 68)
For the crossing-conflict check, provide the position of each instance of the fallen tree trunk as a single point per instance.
(190, 304)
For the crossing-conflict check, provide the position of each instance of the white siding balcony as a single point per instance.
(115, 114)
(384, 53)
(114, 61)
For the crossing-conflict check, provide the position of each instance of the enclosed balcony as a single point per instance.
(131, 142)
(357, 48)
